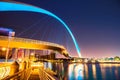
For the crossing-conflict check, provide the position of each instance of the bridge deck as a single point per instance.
(34, 75)
(24, 43)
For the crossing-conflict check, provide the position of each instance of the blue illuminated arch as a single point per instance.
(12, 6)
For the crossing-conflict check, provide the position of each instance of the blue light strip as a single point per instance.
(10, 6)
(6, 29)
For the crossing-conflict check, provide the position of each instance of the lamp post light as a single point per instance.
(3, 49)
(10, 34)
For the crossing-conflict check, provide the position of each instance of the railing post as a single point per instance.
(24, 65)
(14, 68)
(16, 54)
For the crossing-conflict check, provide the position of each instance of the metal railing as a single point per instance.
(4, 70)
(21, 75)
(44, 75)
(24, 74)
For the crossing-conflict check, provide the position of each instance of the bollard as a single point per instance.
(14, 68)
(23, 68)
(24, 65)
(29, 64)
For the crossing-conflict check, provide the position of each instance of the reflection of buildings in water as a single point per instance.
(71, 72)
(60, 71)
(79, 72)
(106, 69)
(86, 70)
(103, 70)
(75, 71)
(110, 69)
(117, 70)
(48, 65)
(94, 70)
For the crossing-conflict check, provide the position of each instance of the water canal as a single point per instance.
(78, 71)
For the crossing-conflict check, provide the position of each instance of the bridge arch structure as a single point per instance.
(14, 6)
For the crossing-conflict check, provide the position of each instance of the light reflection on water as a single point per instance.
(94, 71)
(77, 71)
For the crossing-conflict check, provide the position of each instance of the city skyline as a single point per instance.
(95, 24)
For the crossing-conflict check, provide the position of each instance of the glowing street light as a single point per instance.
(3, 49)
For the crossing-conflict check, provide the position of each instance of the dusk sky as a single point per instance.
(94, 23)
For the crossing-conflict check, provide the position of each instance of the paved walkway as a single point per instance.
(34, 75)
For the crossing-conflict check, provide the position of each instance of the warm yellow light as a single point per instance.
(4, 49)
(94, 70)
(37, 64)
(32, 54)
(20, 59)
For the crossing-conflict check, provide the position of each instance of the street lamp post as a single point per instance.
(9, 39)
(7, 52)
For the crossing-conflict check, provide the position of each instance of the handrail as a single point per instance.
(44, 75)
(23, 75)
(4, 70)
(12, 76)
(49, 76)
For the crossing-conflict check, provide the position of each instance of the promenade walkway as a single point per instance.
(34, 75)
(35, 72)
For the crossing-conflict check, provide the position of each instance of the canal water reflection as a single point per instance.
(78, 71)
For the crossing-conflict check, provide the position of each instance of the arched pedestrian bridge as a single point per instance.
(15, 42)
